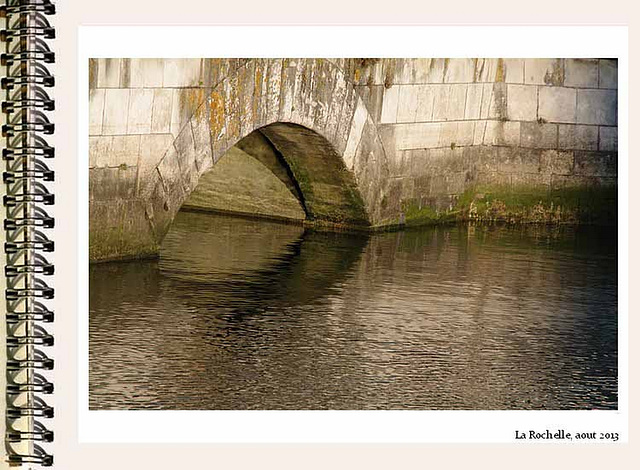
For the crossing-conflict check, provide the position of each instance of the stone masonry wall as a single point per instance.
(412, 132)
(450, 124)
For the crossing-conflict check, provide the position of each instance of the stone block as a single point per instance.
(448, 134)
(608, 139)
(103, 184)
(478, 132)
(595, 164)
(556, 162)
(140, 109)
(436, 71)
(608, 76)
(581, 73)
(598, 107)
(456, 102)
(345, 120)
(486, 70)
(357, 125)
(116, 105)
(514, 160)
(522, 102)
(441, 102)
(407, 103)
(153, 147)
(577, 137)
(390, 104)
(459, 71)
(100, 151)
(538, 135)
(543, 72)
(557, 104)
(417, 136)
(108, 73)
(502, 133)
(426, 96)
(418, 160)
(494, 101)
(474, 101)
(96, 110)
(146, 73)
(528, 180)
(374, 103)
(514, 70)
(464, 136)
(186, 151)
(274, 81)
(337, 102)
(422, 68)
(171, 172)
(202, 144)
(182, 73)
(161, 111)
(125, 150)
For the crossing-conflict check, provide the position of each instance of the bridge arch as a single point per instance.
(308, 112)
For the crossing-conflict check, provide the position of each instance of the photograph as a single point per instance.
(353, 233)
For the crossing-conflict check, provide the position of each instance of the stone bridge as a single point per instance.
(364, 143)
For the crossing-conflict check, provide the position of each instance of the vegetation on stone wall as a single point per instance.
(572, 205)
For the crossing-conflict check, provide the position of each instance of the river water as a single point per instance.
(246, 314)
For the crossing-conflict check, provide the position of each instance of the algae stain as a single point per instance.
(500, 71)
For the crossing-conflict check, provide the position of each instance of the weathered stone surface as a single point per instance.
(407, 103)
(179, 73)
(460, 71)
(96, 110)
(502, 133)
(582, 73)
(598, 107)
(153, 148)
(557, 104)
(100, 151)
(486, 70)
(595, 163)
(146, 73)
(544, 72)
(514, 70)
(577, 137)
(108, 73)
(125, 150)
(390, 100)
(538, 135)
(161, 111)
(357, 125)
(522, 102)
(140, 112)
(608, 76)
(556, 162)
(418, 135)
(116, 105)
(608, 139)
(473, 101)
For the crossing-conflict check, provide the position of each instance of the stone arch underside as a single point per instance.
(308, 111)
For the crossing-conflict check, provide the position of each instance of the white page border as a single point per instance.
(340, 41)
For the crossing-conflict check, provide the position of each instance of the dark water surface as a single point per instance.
(241, 314)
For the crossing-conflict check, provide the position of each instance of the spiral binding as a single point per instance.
(27, 177)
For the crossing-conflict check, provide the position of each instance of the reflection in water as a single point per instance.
(241, 314)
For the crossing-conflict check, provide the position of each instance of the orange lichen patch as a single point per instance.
(216, 114)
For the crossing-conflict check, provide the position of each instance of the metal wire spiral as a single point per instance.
(27, 104)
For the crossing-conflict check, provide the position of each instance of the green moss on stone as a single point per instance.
(575, 205)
